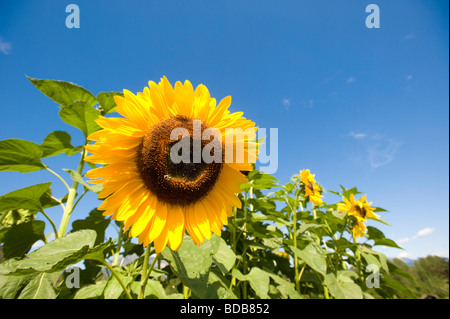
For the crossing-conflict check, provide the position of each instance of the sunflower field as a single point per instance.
(197, 230)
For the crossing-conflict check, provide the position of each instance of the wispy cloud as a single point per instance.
(409, 77)
(286, 102)
(351, 79)
(358, 136)
(5, 47)
(409, 36)
(382, 152)
(420, 234)
(308, 104)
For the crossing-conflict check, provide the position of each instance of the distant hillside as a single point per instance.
(430, 276)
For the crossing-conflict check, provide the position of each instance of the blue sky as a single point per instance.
(357, 106)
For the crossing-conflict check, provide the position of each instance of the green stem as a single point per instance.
(119, 245)
(113, 272)
(294, 220)
(358, 258)
(71, 198)
(51, 222)
(57, 175)
(146, 273)
(244, 255)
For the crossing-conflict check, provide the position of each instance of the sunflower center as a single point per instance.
(172, 163)
(361, 211)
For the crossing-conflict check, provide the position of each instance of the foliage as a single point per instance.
(426, 277)
(278, 245)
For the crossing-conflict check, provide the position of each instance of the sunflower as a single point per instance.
(158, 193)
(312, 189)
(361, 210)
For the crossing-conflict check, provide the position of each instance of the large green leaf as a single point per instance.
(11, 286)
(313, 256)
(41, 286)
(342, 286)
(192, 263)
(58, 142)
(259, 280)
(94, 291)
(64, 93)
(17, 240)
(82, 116)
(29, 198)
(106, 101)
(379, 239)
(113, 289)
(224, 258)
(20, 156)
(56, 255)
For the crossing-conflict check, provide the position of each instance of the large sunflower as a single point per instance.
(361, 210)
(312, 189)
(155, 196)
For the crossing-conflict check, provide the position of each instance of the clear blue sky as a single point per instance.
(357, 106)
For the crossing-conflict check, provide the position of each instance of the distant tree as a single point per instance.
(430, 277)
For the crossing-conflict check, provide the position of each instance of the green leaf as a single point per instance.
(77, 177)
(397, 287)
(17, 240)
(224, 258)
(342, 286)
(313, 256)
(96, 221)
(259, 280)
(28, 198)
(382, 258)
(55, 255)
(64, 93)
(192, 263)
(106, 101)
(58, 142)
(41, 287)
(113, 289)
(91, 291)
(20, 156)
(11, 286)
(82, 116)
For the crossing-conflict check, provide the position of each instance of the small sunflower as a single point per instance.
(312, 189)
(361, 210)
(159, 198)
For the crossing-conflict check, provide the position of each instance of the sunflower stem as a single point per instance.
(119, 245)
(113, 272)
(358, 259)
(146, 271)
(71, 198)
(51, 222)
(294, 220)
(59, 177)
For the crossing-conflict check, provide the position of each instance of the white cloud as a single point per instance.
(425, 232)
(409, 77)
(286, 102)
(351, 79)
(420, 234)
(409, 36)
(358, 136)
(5, 47)
(383, 152)
(404, 254)
(308, 104)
